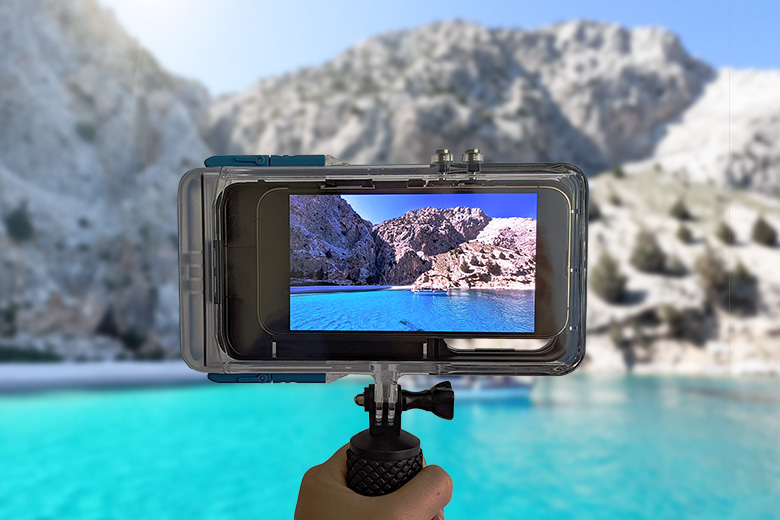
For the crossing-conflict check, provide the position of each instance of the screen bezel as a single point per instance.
(417, 200)
(273, 297)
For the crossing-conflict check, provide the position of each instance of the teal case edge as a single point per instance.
(278, 161)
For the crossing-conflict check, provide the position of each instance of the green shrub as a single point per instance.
(675, 267)
(22, 355)
(735, 291)
(87, 131)
(712, 275)
(725, 234)
(647, 255)
(157, 354)
(616, 335)
(680, 211)
(743, 291)
(465, 267)
(674, 320)
(594, 211)
(617, 171)
(614, 199)
(763, 232)
(740, 272)
(684, 234)
(640, 338)
(19, 224)
(607, 281)
(8, 320)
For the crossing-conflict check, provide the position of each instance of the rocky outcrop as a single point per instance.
(672, 321)
(404, 245)
(476, 265)
(95, 138)
(585, 92)
(96, 135)
(731, 135)
(517, 234)
(329, 242)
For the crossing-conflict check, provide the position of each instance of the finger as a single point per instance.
(336, 465)
(427, 493)
(439, 515)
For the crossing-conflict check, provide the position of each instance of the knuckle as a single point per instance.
(440, 477)
(311, 475)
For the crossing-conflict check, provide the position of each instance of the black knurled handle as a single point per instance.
(375, 478)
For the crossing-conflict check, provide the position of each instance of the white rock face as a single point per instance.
(479, 265)
(731, 135)
(405, 244)
(518, 234)
(95, 138)
(589, 93)
(729, 342)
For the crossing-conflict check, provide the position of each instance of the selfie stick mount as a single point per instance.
(384, 457)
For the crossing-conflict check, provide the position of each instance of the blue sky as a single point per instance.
(378, 208)
(229, 44)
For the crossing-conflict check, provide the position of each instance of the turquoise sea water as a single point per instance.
(584, 447)
(494, 310)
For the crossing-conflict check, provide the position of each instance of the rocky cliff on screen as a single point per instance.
(451, 248)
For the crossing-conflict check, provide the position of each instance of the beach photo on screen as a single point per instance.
(417, 262)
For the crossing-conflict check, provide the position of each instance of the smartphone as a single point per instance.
(403, 264)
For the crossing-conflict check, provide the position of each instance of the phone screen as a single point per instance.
(435, 262)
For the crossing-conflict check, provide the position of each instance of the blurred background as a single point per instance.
(671, 109)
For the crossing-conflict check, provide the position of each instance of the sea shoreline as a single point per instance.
(313, 289)
(309, 289)
(31, 378)
(23, 378)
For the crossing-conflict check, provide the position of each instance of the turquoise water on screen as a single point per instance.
(490, 310)
(583, 448)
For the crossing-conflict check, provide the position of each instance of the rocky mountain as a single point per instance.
(590, 93)
(730, 136)
(477, 265)
(96, 135)
(676, 319)
(517, 234)
(406, 244)
(329, 242)
(95, 138)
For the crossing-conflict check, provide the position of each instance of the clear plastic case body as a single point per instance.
(202, 230)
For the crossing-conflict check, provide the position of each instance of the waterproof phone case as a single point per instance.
(302, 268)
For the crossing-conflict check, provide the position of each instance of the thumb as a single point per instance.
(427, 493)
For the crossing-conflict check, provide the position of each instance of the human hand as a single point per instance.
(324, 495)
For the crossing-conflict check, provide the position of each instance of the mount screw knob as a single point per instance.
(441, 156)
(472, 155)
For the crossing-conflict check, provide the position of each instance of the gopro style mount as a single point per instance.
(384, 457)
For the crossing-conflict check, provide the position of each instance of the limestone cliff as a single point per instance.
(405, 244)
(585, 92)
(476, 265)
(329, 242)
(95, 139)
(731, 135)
(96, 135)
(517, 234)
